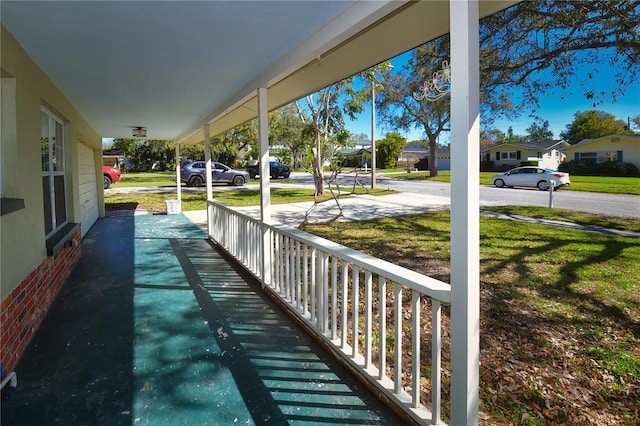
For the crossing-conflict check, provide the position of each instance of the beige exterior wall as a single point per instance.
(22, 234)
(629, 145)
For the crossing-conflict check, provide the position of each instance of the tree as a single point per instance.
(539, 131)
(538, 47)
(389, 148)
(324, 120)
(593, 124)
(145, 153)
(226, 146)
(286, 129)
(360, 139)
(403, 111)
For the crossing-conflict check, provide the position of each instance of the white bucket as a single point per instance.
(173, 206)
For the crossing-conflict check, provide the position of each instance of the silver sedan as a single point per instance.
(534, 177)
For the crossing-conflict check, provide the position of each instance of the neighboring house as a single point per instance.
(414, 152)
(547, 154)
(51, 191)
(354, 157)
(620, 148)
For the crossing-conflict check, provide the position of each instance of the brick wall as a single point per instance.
(24, 309)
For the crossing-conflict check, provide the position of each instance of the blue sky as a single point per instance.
(558, 108)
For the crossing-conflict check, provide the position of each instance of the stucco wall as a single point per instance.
(22, 234)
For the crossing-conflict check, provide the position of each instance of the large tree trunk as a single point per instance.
(318, 176)
(433, 158)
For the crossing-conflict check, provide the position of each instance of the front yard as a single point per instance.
(560, 309)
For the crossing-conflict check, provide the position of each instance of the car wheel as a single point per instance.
(106, 182)
(286, 176)
(543, 185)
(196, 181)
(238, 180)
(499, 183)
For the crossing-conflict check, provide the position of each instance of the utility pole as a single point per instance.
(373, 132)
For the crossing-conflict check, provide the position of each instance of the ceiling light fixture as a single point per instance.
(139, 132)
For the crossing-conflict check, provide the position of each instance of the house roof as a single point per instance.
(175, 66)
(538, 145)
(589, 141)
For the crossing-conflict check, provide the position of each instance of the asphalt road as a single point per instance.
(590, 202)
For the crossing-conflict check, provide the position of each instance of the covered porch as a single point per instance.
(353, 305)
(157, 326)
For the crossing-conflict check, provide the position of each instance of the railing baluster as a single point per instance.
(296, 276)
(345, 306)
(334, 297)
(415, 349)
(312, 290)
(436, 360)
(397, 361)
(382, 303)
(355, 281)
(287, 268)
(368, 326)
(305, 279)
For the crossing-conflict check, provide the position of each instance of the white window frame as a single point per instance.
(55, 167)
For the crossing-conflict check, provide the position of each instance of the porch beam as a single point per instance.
(465, 212)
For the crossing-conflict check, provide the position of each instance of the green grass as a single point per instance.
(196, 200)
(559, 312)
(603, 184)
(629, 224)
(143, 179)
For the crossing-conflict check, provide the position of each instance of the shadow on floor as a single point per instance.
(155, 327)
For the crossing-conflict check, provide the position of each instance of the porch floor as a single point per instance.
(155, 327)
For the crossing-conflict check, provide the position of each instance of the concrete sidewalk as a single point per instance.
(367, 207)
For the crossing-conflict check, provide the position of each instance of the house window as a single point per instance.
(549, 154)
(589, 156)
(53, 172)
(508, 155)
(557, 154)
(539, 155)
(607, 156)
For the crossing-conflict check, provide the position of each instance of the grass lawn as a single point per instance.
(560, 309)
(195, 200)
(611, 185)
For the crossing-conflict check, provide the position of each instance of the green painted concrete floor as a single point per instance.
(155, 327)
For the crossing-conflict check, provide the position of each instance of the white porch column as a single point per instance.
(465, 212)
(207, 158)
(265, 183)
(373, 130)
(178, 183)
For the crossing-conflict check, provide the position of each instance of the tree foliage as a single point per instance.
(539, 131)
(389, 148)
(538, 47)
(324, 117)
(593, 124)
(145, 153)
(402, 111)
(287, 131)
(226, 146)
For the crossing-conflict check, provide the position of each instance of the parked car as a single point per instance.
(110, 174)
(533, 177)
(276, 169)
(193, 174)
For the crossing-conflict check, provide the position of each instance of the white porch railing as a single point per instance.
(331, 288)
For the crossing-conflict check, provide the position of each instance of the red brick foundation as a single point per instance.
(24, 309)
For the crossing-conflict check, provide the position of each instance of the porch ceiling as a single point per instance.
(172, 66)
